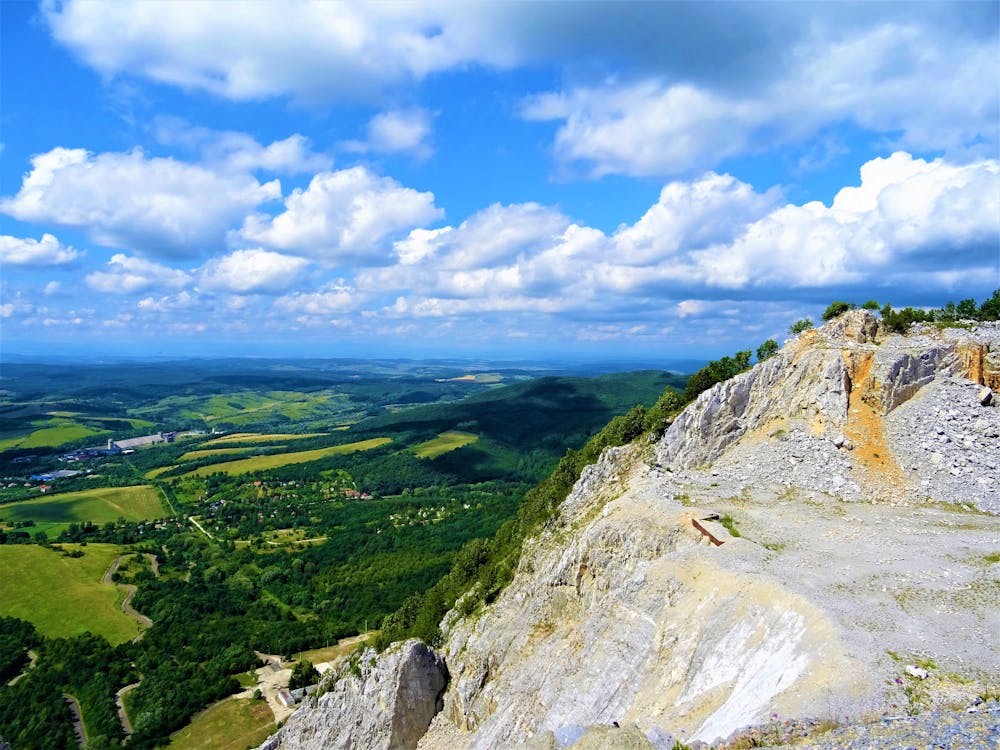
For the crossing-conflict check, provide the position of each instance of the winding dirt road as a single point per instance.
(130, 590)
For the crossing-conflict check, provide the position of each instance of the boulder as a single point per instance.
(381, 702)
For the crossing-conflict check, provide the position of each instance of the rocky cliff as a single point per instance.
(814, 539)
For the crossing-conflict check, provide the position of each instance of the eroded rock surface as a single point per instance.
(388, 706)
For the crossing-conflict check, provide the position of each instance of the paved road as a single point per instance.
(78, 728)
(122, 713)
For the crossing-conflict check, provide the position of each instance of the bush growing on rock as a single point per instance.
(799, 326)
(767, 350)
(835, 309)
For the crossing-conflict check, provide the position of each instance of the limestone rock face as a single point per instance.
(812, 381)
(858, 478)
(387, 707)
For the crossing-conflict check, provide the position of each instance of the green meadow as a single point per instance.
(254, 437)
(51, 513)
(63, 596)
(232, 724)
(51, 433)
(443, 443)
(209, 452)
(277, 460)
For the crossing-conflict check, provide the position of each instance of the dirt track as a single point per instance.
(130, 592)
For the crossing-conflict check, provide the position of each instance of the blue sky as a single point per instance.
(505, 179)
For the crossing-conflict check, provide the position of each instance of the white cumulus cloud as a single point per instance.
(349, 213)
(873, 77)
(131, 201)
(236, 151)
(252, 271)
(128, 275)
(27, 251)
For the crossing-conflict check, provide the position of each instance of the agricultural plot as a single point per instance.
(209, 452)
(255, 437)
(240, 407)
(443, 443)
(135, 424)
(277, 460)
(64, 596)
(232, 724)
(52, 513)
(50, 433)
(154, 473)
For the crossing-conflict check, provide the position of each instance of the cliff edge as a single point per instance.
(815, 539)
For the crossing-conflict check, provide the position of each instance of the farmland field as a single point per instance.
(253, 437)
(444, 442)
(263, 463)
(63, 596)
(56, 432)
(99, 505)
(154, 473)
(232, 724)
(207, 453)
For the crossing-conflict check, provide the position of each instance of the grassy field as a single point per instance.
(137, 424)
(444, 442)
(337, 651)
(195, 455)
(63, 596)
(102, 504)
(254, 437)
(154, 473)
(240, 407)
(263, 463)
(55, 432)
(232, 724)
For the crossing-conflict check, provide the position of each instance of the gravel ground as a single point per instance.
(968, 729)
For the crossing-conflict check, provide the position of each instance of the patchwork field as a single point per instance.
(135, 424)
(443, 443)
(263, 463)
(209, 452)
(240, 407)
(51, 433)
(102, 504)
(254, 437)
(232, 724)
(63, 596)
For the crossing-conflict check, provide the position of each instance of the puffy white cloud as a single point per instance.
(334, 298)
(400, 130)
(344, 214)
(908, 217)
(252, 271)
(713, 208)
(873, 77)
(397, 131)
(129, 200)
(311, 50)
(240, 152)
(184, 300)
(128, 275)
(909, 222)
(27, 251)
